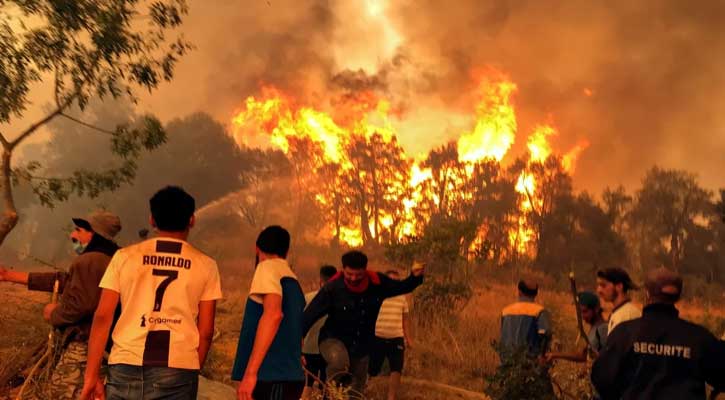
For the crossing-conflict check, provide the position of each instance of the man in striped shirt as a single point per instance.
(392, 336)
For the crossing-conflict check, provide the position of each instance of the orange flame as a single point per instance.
(495, 129)
(364, 114)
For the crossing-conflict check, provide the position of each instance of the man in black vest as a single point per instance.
(659, 356)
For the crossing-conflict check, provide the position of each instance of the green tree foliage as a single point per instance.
(84, 50)
(667, 211)
(520, 377)
(199, 155)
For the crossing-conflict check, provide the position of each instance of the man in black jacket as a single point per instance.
(659, 356)
(351, 300)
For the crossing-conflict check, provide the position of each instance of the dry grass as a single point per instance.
(453, 350)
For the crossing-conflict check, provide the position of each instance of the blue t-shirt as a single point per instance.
(283, 360)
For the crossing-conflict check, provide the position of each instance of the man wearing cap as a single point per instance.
(92, 240)
(613, 285)
(659, 356)
(591, 312)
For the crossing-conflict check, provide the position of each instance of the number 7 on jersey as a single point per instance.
(161, 290)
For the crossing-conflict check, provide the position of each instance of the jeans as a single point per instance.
(340, 367)
(130, 382)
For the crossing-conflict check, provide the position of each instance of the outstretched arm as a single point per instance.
(40, 281)
(392, 288)
(7, 275)
(579, 357)
(318, 308)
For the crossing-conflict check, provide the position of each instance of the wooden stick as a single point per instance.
(49, 347)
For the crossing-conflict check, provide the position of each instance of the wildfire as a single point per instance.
(495, 129)
(356, 140)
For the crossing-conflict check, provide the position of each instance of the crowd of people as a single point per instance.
(138, 321)
(648, 353)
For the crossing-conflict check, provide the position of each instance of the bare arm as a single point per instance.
(579, 357)
(205, 324)
(407, 330)
(266, 331)
(13, 276)
(102, 320)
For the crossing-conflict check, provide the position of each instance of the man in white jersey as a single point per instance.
(613, 285)
(392, 337)
(168, 291)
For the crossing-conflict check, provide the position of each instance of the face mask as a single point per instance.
(78, 247)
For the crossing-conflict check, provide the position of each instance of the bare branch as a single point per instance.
(32, 128)
(4, 141)
(87, 125)
(56, 89)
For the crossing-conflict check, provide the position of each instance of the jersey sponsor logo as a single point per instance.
(158, 321)
(167, 261)
(666, 350)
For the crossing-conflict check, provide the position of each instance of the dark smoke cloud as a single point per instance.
(653, 68)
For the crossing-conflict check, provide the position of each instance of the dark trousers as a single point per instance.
(278, 390)
(341, 367)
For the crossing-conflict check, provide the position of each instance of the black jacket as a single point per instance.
(352, 316)
(659, 356)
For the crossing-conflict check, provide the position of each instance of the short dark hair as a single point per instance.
(617, 276)
(172, 209)
(274, 240)
(355, 259)
(327, 272)
(527, 288)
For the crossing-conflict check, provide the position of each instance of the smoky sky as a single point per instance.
(641, 81)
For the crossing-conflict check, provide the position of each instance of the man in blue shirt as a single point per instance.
(525, 324)
(269, 353)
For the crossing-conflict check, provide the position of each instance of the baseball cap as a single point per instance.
(102, 222)
(617, 275)
(589, 300)
(664, 285)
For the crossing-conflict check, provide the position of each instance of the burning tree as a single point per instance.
(84, 50)
(377, 182)
(350, 162)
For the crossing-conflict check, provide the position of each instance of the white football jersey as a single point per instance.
(161, 282)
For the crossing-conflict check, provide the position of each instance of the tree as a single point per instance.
(667, 210)
(198, 155)
(84, 49)
(378, 180)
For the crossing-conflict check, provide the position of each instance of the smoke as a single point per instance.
(640, 81)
